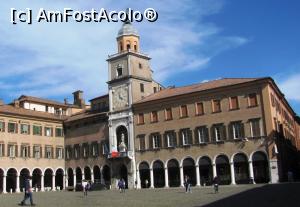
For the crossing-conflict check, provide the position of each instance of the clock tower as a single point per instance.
(130, 79)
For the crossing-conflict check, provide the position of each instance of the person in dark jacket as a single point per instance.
(28, 192)
(216, 184)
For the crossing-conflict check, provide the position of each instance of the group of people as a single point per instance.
(121, 185)
(187, 184)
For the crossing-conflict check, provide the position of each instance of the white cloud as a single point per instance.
(290, 87)
(55, 59)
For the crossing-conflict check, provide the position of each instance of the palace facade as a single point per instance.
(242, 130)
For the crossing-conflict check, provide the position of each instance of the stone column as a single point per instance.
(42, 183)
(151, 178)
(138, 179)
(232, 173)
(53, 183)
(74, 181)
(197, 175)
(83, 177)
(65, 181)
(4, 183)
(92, 176)
(166, 178)
(181, 177)
(214, 169)
(18, 184)
(251, 172)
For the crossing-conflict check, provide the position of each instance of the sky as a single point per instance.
(192, 41)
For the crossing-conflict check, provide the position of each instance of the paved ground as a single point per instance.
(241, 196)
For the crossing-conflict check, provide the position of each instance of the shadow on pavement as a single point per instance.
(273, 195)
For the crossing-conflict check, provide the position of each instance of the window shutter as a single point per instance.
(17, 126)
(175, 138)
(223, 132)
(196, 135)
(206, 134)
(190, 137)
(16, 151)
(3, 150)
(242, 130)
(180, 137)
(28, 151)
(165, 138)
(41, 152)
(213, 133)
(150, 142)
(159, 141)
(230, 131)
(52, 151)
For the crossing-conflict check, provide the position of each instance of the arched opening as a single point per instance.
(189, 170)
(128, 45)
(11, 180)
(97, 174)
(223, 170)
(123, 174)
(241, 169)
(36, 179)
(206, 172)
(158, 174)
(260, 167)
(59, 179)
(1, 180)
(48, 178)
(122, 136)
(87, 173)
(78, 175)
(121, 47)
(144, 171)
(173, 173)
(24, 173)
(70, 177)
(106, 175)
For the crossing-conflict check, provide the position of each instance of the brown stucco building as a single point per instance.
(242, 130)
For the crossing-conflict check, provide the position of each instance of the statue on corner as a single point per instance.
(122, 145)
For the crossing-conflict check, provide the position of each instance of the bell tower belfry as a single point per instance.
(130, 79)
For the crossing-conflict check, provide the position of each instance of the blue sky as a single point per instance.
(198, 40)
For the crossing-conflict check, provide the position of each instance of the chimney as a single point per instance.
(16, 103)
(1, 102)
(66, 101)
(78, 99)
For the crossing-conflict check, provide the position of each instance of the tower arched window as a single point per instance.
(121, 47)
(119, 72)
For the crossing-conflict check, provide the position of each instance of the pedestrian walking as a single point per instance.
(28, 192)
(187, 184)
(216, 184)
(120, 185)
(146, 183)
(84, 187)
(123, 185)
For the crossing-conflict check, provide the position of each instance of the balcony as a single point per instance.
(120, 155)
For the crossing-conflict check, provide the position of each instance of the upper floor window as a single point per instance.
(85, 150)
(154, 116)
(95, 149)
(219, 132)
(255, 130)
(25, 149)
(48, 152)
(1, 149)
(202, 133)
(237, 129)
(154, 89)
(59, 132)
(2, 126)
(48, 131)
(170, 137)
(142, 87)
(76, 151)
(128, 46)
(186, 136)
(216, 106)
(199, 109)
(140, 65)
(37, 151)
(183, 111)
(12, 150)
(141, 118)
(253, 100)
(59, 152)
(168, 114)
(234, 103)
(37, 130)
(119, 71)
(142, 144)
(12, 127)
(25, 128)
(156, 143)
(68, 152)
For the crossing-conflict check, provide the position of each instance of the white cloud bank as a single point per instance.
(54, 59)
(290, 86)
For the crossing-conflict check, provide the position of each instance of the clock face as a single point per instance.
(120, 97)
